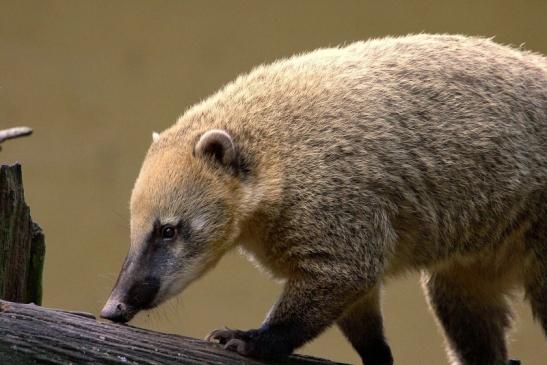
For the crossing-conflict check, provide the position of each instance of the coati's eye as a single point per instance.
(168, 232)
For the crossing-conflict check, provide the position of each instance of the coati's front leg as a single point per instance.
(362, 324)
(307, 306)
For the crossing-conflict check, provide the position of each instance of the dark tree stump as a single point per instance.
(22, 245)
(30, 334)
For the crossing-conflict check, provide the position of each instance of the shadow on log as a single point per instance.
(30, 334)
(22, 246)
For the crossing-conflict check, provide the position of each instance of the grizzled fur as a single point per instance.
(338, 168)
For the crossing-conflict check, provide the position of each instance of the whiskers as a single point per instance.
(107, 276)
(122, 219)
(107, 280)
(166, 314)
(106, 283)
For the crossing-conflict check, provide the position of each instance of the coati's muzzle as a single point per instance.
(133, 292)
(117, 311)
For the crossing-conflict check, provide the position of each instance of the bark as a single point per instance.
(22, 245)
(30, 334)
(16, 132)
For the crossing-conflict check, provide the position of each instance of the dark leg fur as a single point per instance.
(473, 313)
(363, 327)
(305, 309)
(537, 294)
(536, 278)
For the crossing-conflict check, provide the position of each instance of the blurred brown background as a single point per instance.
(95, 78)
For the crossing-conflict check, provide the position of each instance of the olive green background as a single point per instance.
(95, 78)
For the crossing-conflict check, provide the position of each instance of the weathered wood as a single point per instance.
(16, 132)
(30, 334)
(22, 245)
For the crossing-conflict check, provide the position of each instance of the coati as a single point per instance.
(341, 167)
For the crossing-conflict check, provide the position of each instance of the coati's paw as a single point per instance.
(260, 343)
(224, 335)
(239, 346)
(234, 340)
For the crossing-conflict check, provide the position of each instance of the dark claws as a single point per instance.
(233, 340)
(237, 345)
(224, 335)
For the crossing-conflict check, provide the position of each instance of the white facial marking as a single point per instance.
(155, 136)
(177, 283)
(198, 223)
(169, 220)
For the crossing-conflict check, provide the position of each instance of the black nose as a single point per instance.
(117, 311)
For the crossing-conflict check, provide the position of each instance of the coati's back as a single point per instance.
(438, 139)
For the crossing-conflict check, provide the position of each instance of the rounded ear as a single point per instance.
(155, 136)
(217, 144)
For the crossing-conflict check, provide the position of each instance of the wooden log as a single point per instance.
(30, 334)
(16, 132)
(22, 246)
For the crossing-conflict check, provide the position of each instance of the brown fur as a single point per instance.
(353, 164)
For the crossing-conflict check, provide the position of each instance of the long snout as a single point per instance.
(117, 311)
(136, 289)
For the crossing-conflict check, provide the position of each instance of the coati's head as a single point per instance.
(183, 218)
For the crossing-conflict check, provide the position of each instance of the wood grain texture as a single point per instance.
(22, 246)
(30, 334)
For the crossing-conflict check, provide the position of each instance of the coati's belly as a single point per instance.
(499, 248)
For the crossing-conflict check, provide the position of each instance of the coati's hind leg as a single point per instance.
(536, 291)
(363, 326)
(473, 310)
(536, 275)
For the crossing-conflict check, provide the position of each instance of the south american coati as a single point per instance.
(341, 167)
